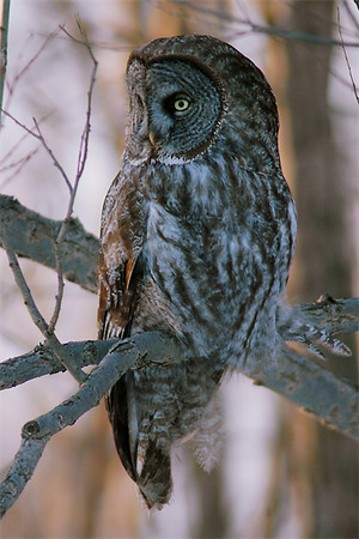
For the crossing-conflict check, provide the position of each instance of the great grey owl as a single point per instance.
(197, 237)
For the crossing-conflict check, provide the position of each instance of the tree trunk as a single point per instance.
(324, 246)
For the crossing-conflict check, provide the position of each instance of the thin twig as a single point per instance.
(3, 48)
(38, 135)
(355, 89)
(16, 146)
(11, 86)
(72, 187)
(87, 128)
(38, 319)
(40, 322)
(55, 161)
(252, 27)
(81, 162)
(17, 166)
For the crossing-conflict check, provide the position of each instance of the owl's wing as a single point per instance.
(120, 271)
(115, 322)
(121, 275)
(117, 295)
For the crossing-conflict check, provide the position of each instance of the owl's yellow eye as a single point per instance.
(181, 104)
(177, 104)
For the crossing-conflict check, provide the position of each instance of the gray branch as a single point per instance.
(132, 353)
(33, 236)
(332, 316)
(306, 383)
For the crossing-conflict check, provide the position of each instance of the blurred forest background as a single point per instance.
(281, 475)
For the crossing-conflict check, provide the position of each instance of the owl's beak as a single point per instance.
(156, 138)
(152, 138)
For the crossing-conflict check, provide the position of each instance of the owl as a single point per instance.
(197, 237)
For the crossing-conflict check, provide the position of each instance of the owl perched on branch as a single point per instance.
(198, 232)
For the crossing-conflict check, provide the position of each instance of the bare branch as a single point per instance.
(36, 433)
(32, 235)
(308, 385)
(11, 85)
(72, 187)
(42, 361)
(18, 165)
(332, 316)
(251, 27)
(355, 89)
(3, 48)
(48, 329)
(21, 471)
(304, 382)
(39, 320)
(81, 162)
(82, 156)
(38, 134)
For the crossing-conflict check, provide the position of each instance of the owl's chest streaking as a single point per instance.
(215, 255)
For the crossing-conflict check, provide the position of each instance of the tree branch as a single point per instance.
(306, 383)
(3, 48)
(252, 27)
(72, 187)
(132, 353)
(333, 316)
(31, 235)
(39, 321)
(317, 390)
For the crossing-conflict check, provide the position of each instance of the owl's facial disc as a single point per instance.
(182, 107)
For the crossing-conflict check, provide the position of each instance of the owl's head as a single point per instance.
(191, 93)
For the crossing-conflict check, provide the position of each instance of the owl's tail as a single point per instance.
(154, 479)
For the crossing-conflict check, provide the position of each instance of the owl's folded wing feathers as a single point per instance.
(117, 301)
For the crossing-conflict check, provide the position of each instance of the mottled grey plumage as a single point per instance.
(198, 232)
